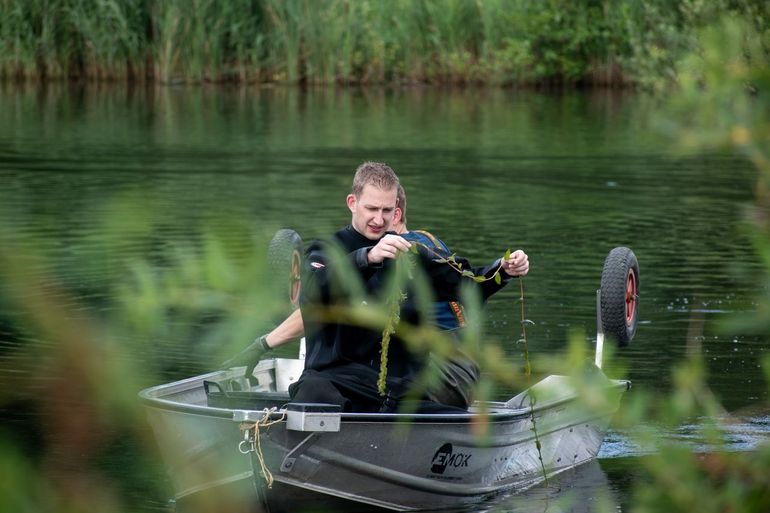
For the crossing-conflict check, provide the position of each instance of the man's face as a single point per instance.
(372, 211)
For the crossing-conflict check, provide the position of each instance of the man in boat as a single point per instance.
(342, 361)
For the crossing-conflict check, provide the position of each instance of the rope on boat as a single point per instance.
(253, 443)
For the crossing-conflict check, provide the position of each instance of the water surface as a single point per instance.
(566, 177)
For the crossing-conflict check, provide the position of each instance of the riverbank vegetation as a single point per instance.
(496, 42)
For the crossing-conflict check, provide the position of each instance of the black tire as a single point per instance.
(284, 261)
(620, 295)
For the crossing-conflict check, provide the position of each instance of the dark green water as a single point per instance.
(566, 177)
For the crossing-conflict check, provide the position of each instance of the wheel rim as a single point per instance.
(294, 278)
(631, 297)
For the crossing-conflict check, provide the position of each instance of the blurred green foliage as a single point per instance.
(204, 295)
(721, 103)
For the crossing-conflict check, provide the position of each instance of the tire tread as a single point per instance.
(613, 294)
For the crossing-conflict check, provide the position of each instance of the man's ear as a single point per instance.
(351, 201)
(396, 216)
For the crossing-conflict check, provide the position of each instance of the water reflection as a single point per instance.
(583, 489)
(568, 177)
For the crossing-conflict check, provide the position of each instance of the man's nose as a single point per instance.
(379, 219)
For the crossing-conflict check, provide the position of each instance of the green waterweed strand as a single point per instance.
(452, 262)
(538, 445)
(394, 302)
(523, 339)
(393, 306)
(394, 316)
(528, 374)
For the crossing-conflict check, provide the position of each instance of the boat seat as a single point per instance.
(218, 396)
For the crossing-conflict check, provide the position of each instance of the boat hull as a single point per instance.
(390, 461)
(413, 464)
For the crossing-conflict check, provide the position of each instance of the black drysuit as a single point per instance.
(342, 360)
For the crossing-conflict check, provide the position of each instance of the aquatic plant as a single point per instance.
(393, 305)
(404, 267)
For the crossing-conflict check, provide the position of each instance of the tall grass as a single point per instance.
(343, 41)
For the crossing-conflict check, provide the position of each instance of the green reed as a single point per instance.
(342, 41)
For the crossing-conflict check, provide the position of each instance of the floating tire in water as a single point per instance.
(620, 295)
(284, 260)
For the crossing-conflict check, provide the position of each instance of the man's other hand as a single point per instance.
(517, 264)
(388, 247)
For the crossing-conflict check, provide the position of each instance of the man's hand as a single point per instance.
(388, 247)
(250, 356)
(517, 264)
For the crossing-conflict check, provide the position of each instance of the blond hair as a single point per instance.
(401, 203)
(374, 173)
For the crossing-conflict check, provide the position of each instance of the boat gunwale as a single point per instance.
(150, 398)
